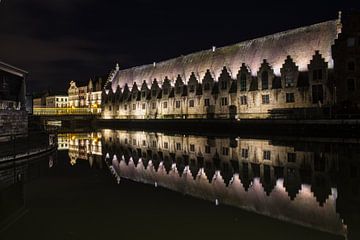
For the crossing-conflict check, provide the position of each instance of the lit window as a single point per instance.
(267, 155)
(290, 98)
(191, 103)
(243, 100)
(265, 99)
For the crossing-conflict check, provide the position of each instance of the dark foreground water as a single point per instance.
(131, 185)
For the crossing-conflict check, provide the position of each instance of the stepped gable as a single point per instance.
(300, 44)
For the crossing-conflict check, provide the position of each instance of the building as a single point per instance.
(86, 95)
(13, 115)
(308, 71)
(57, 101)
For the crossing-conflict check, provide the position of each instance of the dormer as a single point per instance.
(289, 73)
(155, 89)
(224, 80)
(207, 82)
(134, 91)
(166, 87)
(243, 78)
(317, 69)
(192, 84)
(265, 76)
(144, 90)
(126, 92)
(179, 86)
(118, 94)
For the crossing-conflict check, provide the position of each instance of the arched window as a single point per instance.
(264, 80)
(243, 82)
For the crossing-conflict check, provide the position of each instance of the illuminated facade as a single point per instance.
(56, 101)
(291, 73)
(86, 96)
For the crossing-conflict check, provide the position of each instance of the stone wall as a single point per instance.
(13, 122)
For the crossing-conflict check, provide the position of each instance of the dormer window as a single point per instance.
(166, 91)
(264, 80)
(143, 94)
(317, 74)
(223, 85)
(154, 92)
(289, 78)
(191, 88)
(207, 86)
(178, 90)
(243, 82)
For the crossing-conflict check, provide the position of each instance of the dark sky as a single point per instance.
(62, 40)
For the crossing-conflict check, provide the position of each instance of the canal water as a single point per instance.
(135, 184)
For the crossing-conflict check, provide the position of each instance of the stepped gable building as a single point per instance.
(291, 70)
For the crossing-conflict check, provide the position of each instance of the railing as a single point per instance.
(15, 145)
(66, 111)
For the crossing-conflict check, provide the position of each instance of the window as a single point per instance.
(134, 141)
(144, 143)
(164, 104)
(289, 78)
(109, 108)
(177, 104)
(317, 94)
(351, 42)
(224, 101)
(166, 145)
(351, 84)
(243, 100)
(191, 88)
(207, 149)
(244, 153)
(143, 94)
(225, 151)
(207, 86)
(125, 107)
(267, 155)
(351, 66)
(243, 82)
(153, 105)
(154, 92)
(192, 148)
(317, 74)
(264, 80)
(223, 85)
(154, 144)
(178, 146)
(290, 98)
(134, 106)
(206, 102)
(191, 103)
(291, 157)
(143, 106)
(110, 139)
(265, 99)
(126, 141)
(165, 91)
(57, 99)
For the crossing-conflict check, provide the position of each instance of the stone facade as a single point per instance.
(291, 74)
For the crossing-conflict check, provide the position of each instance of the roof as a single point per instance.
(13, 70)
(300, 44)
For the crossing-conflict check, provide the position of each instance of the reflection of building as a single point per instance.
(287, 180)
(289, 74)
(13, 115)
(82, 146)
(86, 96)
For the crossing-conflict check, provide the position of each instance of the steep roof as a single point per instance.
(300, 44)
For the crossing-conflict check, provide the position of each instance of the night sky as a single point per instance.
(62, 40)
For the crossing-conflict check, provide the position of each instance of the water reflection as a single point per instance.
(313, 184)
